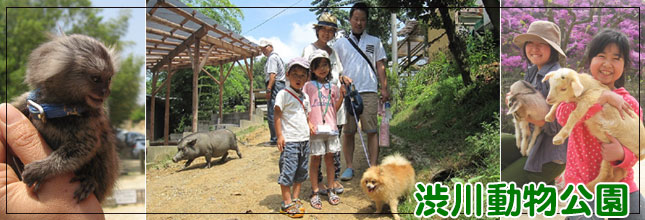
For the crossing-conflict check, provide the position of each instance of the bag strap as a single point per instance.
(303, 105)
(363, 55)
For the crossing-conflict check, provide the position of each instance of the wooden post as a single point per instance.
(221, 90)
(196, 70)
(151, 129)
(166, 123)
(252, 101)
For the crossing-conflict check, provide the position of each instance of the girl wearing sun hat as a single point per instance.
(326, 28)
(540, 46)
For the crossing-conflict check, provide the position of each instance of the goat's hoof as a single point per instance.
(549, 118)
(557, 140)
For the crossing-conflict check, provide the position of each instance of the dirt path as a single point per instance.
(247, 185)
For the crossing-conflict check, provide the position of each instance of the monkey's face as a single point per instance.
(73, 70)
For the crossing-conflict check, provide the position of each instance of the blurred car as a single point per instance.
(130, 143)
(139, 147)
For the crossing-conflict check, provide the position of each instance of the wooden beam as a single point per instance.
(165, 33)
(212, 77)
(170, 74)
(193, 37)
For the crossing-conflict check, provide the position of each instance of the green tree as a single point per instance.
(125, 87)
(229, 16)
(438, 15)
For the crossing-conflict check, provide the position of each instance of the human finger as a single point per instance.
(612, 139)
(22, 136)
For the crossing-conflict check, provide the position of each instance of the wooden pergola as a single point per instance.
(179, 37)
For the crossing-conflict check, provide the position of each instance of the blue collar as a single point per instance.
(43, 111)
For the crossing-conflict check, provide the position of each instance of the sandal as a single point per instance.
(340, 189)
(333, 198)
(291, 210)
(299, 205)
(315, 201)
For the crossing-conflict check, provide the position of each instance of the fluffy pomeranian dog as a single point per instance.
(389, 181)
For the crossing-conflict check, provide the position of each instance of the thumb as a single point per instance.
(21, 135)
(612, 139)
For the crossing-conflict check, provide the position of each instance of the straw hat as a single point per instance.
(541, 31)
(327, 19)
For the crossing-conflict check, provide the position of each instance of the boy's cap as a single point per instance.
(541, 31)
(264, 43)
(327, 19)
(298, 61)
(318, 53)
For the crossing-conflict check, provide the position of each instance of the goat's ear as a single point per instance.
(514, 107)
(548, 75)
(576, 85)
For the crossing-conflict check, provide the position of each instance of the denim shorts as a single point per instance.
(294, 161)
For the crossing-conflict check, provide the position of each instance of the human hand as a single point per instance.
(346, 80)
(343, 91)
(312, 129)
(617, 101)
(385, 95)
(268, 94)
(612, 151)
(280, 143)
(55, 195)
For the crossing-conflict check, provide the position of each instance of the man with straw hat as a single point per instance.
(540, 46)
(275, 81)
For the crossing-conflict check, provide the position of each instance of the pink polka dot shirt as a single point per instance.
(583, 151)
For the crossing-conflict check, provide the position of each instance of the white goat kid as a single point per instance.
(570, 86)
(524, 102)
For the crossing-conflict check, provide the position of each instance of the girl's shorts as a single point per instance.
(322, 145)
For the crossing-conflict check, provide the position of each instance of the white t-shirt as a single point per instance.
(294, 118)
(355, 66)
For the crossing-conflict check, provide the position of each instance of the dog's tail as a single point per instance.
(395, 159)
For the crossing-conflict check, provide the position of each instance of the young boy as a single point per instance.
(293, 130)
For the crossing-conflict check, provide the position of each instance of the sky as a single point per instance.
(289, 32)
(136, 32)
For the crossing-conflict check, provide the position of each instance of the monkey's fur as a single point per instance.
(76, 71)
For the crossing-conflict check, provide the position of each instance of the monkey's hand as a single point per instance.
(36, 173)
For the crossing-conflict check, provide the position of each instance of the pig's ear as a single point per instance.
(191, 143)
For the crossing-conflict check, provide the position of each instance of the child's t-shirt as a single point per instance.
(583, 151)
(322, 96)
(294, 117)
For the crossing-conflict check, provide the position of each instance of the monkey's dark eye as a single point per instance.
(95, 79)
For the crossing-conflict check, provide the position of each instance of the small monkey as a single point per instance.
(70, 77)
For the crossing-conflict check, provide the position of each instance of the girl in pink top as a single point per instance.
(326, 99)
(608, 56)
